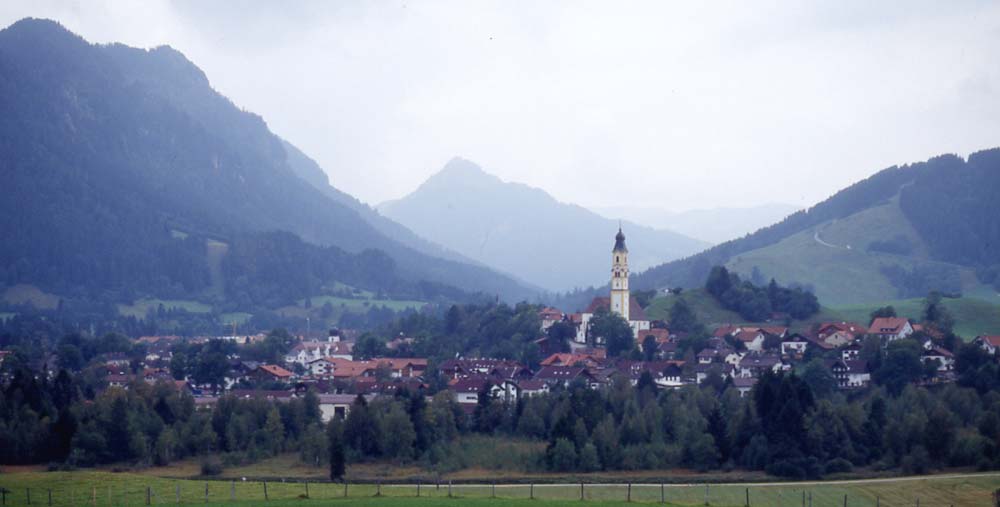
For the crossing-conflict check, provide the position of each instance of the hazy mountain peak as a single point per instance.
(461, 173)
(493, 221)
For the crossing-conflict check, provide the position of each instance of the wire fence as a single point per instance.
(139, 492)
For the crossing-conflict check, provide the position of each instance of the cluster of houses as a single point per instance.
(734, 354)
(737, 354)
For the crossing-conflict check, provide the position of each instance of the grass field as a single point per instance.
(29, 294)
(106, 489)
(238, 318)
(361, 305)
(141, 308)
(973, 316)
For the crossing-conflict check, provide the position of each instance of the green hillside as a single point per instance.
(973, 316)
(710, 313)
(840, 260)
(898, 234)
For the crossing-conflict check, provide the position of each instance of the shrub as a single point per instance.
(211, 465)
(837, 466)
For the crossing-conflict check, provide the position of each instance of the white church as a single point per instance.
(621, 300)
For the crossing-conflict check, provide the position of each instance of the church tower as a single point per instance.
(619, 276)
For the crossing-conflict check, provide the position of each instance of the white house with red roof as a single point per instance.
(989, 343)
(890, 328)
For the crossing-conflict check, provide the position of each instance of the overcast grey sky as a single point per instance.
(670, 104)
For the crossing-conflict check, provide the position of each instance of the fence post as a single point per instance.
(663, 494)
(3, 497)
(378, 488)
(531, 491)
(845, 500)
(810, 499)
(706, 494)
(918, 501)
(493, 490)
(748, 497)
(177, 493)
(628, 495)
(418, 489)
(345, 488)
(449, 488)
(93, 495)
(803, 498)
(581, 491)
(232, 490)
(29, 495)
(265, 490)
(307, 489)
(50, 498)
(147, 495)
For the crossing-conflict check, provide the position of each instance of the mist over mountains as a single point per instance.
(713, 225)
(524, 231)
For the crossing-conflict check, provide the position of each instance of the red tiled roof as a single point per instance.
(275, 370)
(748, 335)
(661, 335)
(887, 325)
(724, 331)
(992, 340)
(549, 313)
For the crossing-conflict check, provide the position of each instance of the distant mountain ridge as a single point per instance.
(714, 225)
(897, 234)
(120, 163)
(523, 230)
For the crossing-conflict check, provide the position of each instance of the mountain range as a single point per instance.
(524, 231)
(127, 175)
(713, 225)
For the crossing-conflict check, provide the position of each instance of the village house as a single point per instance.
(754, 365)
(455, 368)
(752, 339)
(270, 372)
(852, 351)
(743, 385)
(794, 345)
(850, 374)
(532, 387)
(890, 329)
(574, 359)
(565, 375)
(943, 357)
(549, 316)
(338, 405)
(989, 343)
(838, 334)
(305, 352)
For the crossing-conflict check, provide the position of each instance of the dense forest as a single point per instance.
(757, 304)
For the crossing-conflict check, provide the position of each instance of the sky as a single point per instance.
(675, 105)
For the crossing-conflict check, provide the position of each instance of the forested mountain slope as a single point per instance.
(119, 164)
